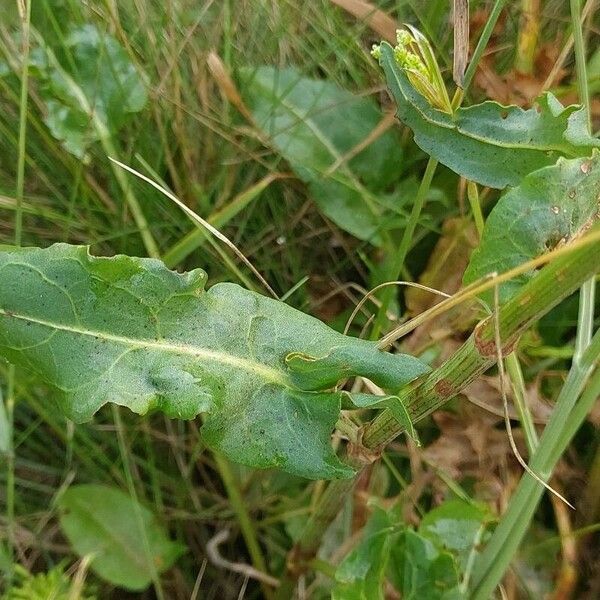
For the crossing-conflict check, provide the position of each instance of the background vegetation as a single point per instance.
(174, 85)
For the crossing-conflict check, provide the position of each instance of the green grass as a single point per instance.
(191, 138)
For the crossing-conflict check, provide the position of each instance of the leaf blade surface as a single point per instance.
(549, 208)
(491, 144)
(129, 331)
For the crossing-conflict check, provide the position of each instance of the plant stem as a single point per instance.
(123, 451)
(528, 36)
(22, 126)
(307, 546)
(407, 236)
(580, 64)
(10, 465)
(476, 355)
(473, 197)
(566, 419)
(132, 202)
(585, 320)
(486, 34)
(551, 285)
(337, 491)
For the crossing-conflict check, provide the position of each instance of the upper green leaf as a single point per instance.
(129, 331)
(123, 537)
(90, 91)
(550, 207)
(491, 144)
(313, 124)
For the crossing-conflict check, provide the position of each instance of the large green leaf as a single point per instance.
(313, 124)
(129, 331)
(489, 143)
(90, 88)
(125, 540)
(550, 207)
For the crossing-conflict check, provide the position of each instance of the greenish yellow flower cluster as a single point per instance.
(406, 54)
(413, 54)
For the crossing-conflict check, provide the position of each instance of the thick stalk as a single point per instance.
(566, 419)
(326, 511)
(528, 36)
(306, 548)
(553, 283)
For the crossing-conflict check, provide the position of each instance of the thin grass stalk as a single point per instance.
(585, 321)
(486, 34)
(513, 367)
(566, 419)
(407, 236)
(243, 517)
(124, 452)
(25, 13)
(473, 197)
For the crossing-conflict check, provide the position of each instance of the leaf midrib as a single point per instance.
(268, 373)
